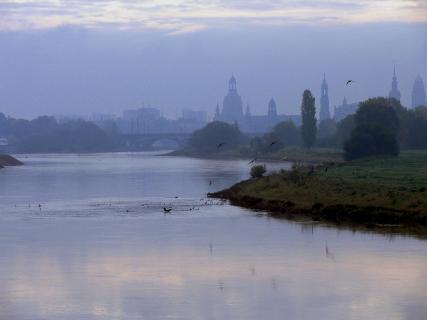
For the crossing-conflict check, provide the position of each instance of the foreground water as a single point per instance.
(100, 247)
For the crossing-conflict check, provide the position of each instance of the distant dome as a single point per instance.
(232, 108)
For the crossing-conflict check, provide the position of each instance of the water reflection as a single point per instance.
(91, 259)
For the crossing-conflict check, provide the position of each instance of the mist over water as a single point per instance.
(102, 248)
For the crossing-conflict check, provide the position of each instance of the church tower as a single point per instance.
(418, 93)
(324, 101)
(272, 109)
(232, 107)
(394, 92)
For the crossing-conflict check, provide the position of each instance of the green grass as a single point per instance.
(408, 171)
(317, 155)
(376, 190)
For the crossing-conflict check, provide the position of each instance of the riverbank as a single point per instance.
(7, 160)
(371, 192)
(313, 156)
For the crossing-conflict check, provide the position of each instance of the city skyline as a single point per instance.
(79, 57)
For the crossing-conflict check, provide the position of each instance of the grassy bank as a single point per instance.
(366, 192)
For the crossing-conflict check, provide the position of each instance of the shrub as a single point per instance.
(370, 140)
(258, 171)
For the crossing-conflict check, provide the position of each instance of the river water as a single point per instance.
(100, 247)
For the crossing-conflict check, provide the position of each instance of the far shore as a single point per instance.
(298, 155)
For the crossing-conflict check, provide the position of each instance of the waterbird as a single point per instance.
(220, 145)
(252, 161)
(210, 182)
(167, 210)
(348, 82)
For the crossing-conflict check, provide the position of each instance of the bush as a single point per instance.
(258, 171)
(376, 130)
(371, 140)
(215, 134)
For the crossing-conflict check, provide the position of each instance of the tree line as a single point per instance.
(44, 134)
(381, 126)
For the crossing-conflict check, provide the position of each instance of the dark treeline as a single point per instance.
(381, 126)
(45, 134)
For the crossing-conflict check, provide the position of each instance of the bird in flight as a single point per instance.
(273, 143)
(167, 210)
(348, 82)
(220, 145)
(252, 161)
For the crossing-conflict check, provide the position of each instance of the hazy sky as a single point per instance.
(79, 57)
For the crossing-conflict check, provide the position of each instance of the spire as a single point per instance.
(394, 92)
(324, 100)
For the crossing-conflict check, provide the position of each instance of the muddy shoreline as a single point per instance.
(353, 216)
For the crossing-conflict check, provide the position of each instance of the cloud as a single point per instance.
(184, 16)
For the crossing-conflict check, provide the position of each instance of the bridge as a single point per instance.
(151, 141)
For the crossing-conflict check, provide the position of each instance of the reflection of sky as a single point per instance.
(159, 268)
(218, 262)
(183, 16)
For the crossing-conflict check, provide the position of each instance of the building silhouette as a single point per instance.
(345, 109)
(232, 112)
(394, 92)
(324, 101)
(418, 93)
(232, 107)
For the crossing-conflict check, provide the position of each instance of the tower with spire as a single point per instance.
(394, 92)
(418, 93)
(324, 101)
(272, 109)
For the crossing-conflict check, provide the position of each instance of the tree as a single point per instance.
(216, 136)
(370, 139)
(286, 133)
(308, 115)
(381, 111)
(344, 129)
(416, 128)
(375, 132)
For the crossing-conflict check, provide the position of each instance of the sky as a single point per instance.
(80, 57)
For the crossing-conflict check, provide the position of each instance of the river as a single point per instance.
(85, 237)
